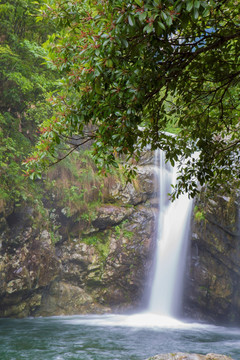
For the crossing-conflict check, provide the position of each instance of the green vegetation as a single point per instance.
(24, 84)
(198, 214)
(100, 241)
(91, 240)
(79, 187)
(133, 69)
(121, 232)
(130, 72)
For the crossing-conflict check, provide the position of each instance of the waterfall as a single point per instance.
(171, 248)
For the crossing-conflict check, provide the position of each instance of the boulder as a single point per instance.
(186, 356)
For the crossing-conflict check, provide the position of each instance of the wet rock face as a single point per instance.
(212, 287)
(24, 272)
(98, 265)
(101, 264)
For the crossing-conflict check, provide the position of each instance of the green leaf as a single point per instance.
(206, 13)
(164, 15)
(131, 20)
(195, 13)
(148, 28)
(57, 139)
(124, 42)
(115, 164)
(169, 21)
(161, 25)
(189, 5)
(98, 87)
(197, 4)
(109, 63)
(142, 16)
(119, 19)
(115, 136)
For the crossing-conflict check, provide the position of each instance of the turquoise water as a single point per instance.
(110, 337)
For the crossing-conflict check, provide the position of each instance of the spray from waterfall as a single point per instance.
(171, 248)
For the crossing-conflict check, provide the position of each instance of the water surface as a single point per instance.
(111, 337)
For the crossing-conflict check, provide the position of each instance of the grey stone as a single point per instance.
(186, 356)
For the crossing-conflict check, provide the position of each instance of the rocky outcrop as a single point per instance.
(57, 264)
(212, 289)
(53, 263)
(186, 356)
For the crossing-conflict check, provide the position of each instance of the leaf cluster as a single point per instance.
(129, 68)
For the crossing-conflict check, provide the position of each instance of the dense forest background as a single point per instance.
(27, 81)
(24, 83)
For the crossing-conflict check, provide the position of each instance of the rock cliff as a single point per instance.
(212, 289)
(70, 257)
(95, 261)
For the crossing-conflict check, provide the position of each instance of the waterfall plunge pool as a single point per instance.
(111, 337)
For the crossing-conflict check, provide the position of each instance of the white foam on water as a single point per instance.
(139, 320)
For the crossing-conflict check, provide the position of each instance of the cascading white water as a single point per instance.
(172, 234)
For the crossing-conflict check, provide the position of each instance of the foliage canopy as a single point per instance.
(131, 68)
(24, 83)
